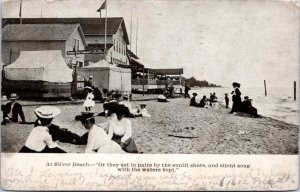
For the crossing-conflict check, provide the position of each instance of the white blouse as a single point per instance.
(38, 138)
(98, 140)
(120, 128)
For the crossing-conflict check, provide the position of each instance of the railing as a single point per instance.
(153, 82)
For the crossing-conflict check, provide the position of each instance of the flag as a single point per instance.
(103, 6)
(20, 12)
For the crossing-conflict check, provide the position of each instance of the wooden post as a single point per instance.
(295, 89)
(143, 80)
(265, 87)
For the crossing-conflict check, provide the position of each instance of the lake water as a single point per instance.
(278, 104)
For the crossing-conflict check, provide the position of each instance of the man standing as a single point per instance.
(186, 91)
(12, 110)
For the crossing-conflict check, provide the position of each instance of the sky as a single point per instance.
(221, 41)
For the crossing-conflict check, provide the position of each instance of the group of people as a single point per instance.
(204, 102)
(238, 105)
(115, 138)
(118, 138)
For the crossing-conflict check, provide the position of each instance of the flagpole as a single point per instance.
(136, 43)
(131, 30)
(105, 29)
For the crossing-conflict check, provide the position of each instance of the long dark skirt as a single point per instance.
(130, 146)
(25, 149)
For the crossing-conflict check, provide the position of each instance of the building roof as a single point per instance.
(177, 71)
(90, 26)
(40, 32)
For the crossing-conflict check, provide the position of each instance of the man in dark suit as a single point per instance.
(12, 110)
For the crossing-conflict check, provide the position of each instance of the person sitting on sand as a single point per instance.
(12, 110)
(61, 134)
(202, 102)
(39, 139)
(144, 111)
(98, 141)
(162, 98)
(246, 107)
(193, 100)
(120, 131)
(236, 97)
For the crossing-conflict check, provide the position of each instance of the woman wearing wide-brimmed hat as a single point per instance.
(236, 97)
(39, 139)
(12, 110)
(120, 130)
(98, 141)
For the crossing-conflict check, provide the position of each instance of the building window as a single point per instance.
(76, 45)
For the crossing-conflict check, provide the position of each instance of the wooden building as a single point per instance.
(42, 37)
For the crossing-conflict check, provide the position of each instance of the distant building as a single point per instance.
(38, 37)
(94, 32)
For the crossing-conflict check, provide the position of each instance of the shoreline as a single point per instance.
(210, 131)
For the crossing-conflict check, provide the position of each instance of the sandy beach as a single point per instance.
(210, 131)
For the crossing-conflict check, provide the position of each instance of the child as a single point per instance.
(226, 100)
(89, 103)
(143, 111)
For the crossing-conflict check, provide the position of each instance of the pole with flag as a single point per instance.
(103, 6)
(20, 12)
(105, 31)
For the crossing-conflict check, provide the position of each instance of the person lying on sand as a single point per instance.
(162, 98)
(39, 139)
(120, 131)
(98, 141)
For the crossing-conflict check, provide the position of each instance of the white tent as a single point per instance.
(46, 66)
(107, 76)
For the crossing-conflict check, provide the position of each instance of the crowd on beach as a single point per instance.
(114, 135)
(238, 105)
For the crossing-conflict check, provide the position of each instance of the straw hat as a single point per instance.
(13, 96)
(47, 111)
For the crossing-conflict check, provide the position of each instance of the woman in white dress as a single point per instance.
(89, 103)
(120, 130)
(98, 141)
(39, 139)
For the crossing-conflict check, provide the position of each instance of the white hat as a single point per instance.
(13, 96)
(91, 77)
(47, 111)
(87, 87)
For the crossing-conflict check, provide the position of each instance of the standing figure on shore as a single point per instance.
(12, 110)
(186, 91)
(89, 103)
(236, 98)
(39, 139)
(120, 131)
(226, 100)
(193, 100)
(246, 107)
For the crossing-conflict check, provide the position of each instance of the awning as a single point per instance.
(177, 71)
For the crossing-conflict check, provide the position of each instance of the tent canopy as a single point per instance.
(39, 66)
